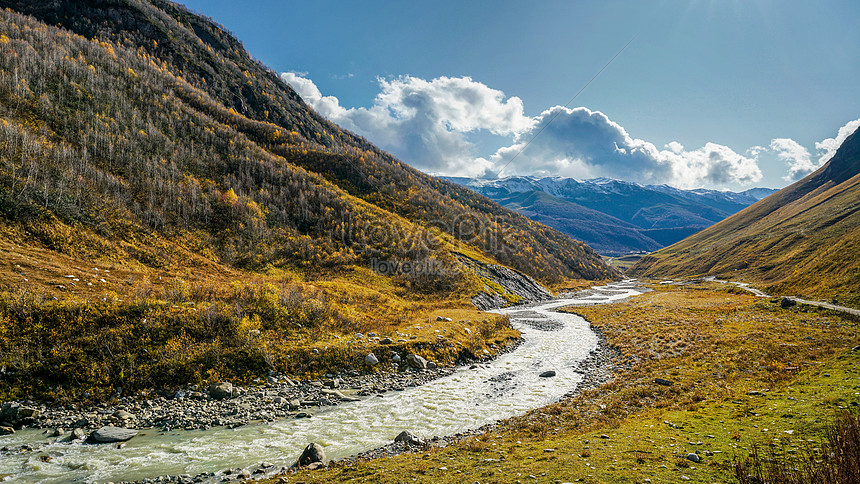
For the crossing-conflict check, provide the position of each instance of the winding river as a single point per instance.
(467, 399)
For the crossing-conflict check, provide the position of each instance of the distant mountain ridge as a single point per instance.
(614, 216)
(804, 239)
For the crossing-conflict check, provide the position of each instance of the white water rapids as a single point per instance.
(467, 399)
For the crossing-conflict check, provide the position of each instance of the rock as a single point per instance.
(108, 434)
(123, 415)
(333, 383)
(663, 382)
(313, 453)
(786, 303)
(220, 391)
(395, 358)
(27, 412)
(9, 412)
(416, 361)
(694, 457)
(755, 393)
(77, 434)
(386, 341)
(431, 365)
(58, 432)
(407, 437)
(442, 318)
(856, 348)
(371, 360)
(6, 431)
(547, 374)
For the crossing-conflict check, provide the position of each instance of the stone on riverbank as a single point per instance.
(416, 361)
(407, 437)
(312, 454)
(109, 434)
(547, 374)
(371, 360)
(220, 391)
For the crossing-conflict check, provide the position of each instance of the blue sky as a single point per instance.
(714, 93)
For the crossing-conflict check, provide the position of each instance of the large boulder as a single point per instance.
(407, 437)
(109, 434)
(313, 454)
(221, 390)
(416, 361)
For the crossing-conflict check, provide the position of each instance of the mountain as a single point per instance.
(171, 212)
(802, 240)
(613, 216)
(166, 115)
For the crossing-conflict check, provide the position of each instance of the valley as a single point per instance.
(209, 274)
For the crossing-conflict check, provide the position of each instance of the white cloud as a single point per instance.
(582, 143)
(830, 145)
(800, 161)
(797, 157)
(430, 124)
(425, 123)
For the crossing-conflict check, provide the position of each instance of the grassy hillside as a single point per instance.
(217, 78)
(802, 240)
(171, 212)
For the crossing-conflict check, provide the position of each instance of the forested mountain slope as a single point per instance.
(198, 69)
(804, 239)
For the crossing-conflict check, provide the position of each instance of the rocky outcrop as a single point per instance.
(503, 286)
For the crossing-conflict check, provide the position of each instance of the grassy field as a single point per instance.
(744, 372)
(623, 262)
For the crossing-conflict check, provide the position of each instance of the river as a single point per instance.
(467, 399)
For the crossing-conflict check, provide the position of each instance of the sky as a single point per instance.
(723, 94)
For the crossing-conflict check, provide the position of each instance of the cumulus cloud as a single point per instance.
(582, 143)
(797, 157)
(425, 123)
(429, 124)
(827, 148)
(800, 161)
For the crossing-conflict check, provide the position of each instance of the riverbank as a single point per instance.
(704, 374)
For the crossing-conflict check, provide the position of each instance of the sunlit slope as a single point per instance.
(804, 239)
(143, 131)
